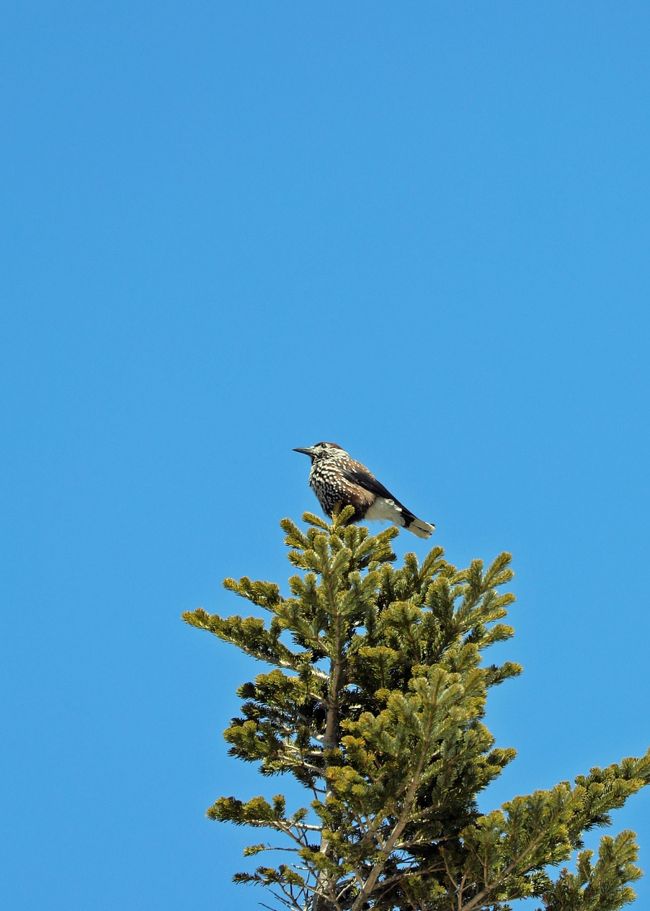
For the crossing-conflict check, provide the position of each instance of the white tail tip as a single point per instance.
(421, 529)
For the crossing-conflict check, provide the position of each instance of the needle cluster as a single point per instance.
(375, 705)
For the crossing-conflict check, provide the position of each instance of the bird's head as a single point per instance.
(323, 451)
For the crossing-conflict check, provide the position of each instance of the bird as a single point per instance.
(338, 480)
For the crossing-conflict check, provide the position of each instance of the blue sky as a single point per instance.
(420, 230)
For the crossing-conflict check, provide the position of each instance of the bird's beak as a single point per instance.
(307, 451)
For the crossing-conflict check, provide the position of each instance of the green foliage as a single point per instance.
(375, 704)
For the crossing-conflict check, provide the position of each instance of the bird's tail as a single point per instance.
(420, 528)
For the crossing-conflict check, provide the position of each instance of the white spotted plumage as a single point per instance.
(338, 480)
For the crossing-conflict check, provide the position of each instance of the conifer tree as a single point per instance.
(375, 705)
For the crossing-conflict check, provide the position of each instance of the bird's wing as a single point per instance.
(360, 475)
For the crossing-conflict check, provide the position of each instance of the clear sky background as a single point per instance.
(419, 229)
